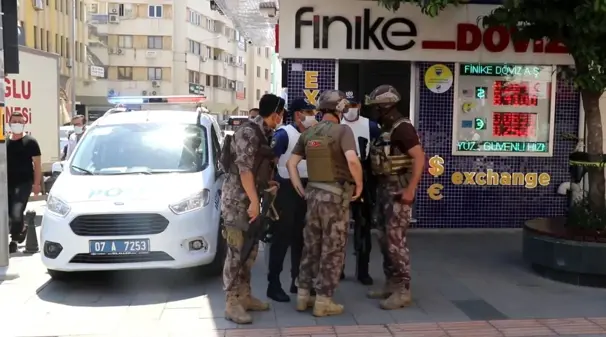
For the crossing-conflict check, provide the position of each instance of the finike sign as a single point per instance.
(395, 37)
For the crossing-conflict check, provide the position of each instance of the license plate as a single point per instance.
(119, 247)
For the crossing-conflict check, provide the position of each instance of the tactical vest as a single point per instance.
(387, 160)
(326, 162)
(263, 164)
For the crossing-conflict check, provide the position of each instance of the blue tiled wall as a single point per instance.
(489, 206)
(296, 79)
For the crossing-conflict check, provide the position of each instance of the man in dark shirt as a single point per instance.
(24, 175)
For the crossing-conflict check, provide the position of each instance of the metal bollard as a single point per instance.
(31, 242)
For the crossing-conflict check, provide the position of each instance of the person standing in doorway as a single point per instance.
(252, 113)
(79, 128)
(290, 206)
(24, 176)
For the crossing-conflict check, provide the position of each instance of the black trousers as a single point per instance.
(288, 231)
(362, 236)
(18, 196)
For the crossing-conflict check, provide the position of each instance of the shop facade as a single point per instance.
(491, 113)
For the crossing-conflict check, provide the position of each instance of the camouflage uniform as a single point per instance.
(234, 205)
(392, 231)
(328, 193)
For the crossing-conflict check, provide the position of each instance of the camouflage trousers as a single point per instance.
(392, 236)
(325, 236)
(235, 273)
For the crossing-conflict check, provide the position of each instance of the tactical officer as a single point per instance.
(290, 206)
(365, 132)
(248, 173)
(397, 160)
(332, 168)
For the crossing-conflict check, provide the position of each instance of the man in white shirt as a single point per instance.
(79, 128)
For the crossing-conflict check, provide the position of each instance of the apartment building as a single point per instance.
(176, 48)
(46, 25)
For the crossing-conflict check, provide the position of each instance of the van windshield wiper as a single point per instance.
(83, 170)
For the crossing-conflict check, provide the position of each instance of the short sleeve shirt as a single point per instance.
(342, 134)
(405, 137)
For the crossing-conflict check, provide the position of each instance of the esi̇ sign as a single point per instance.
(362, 30)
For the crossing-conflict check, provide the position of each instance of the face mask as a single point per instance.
(16, 128)
(352, 114)
(308, 121)
(78, 129)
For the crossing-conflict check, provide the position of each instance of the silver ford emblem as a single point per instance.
(118, 203)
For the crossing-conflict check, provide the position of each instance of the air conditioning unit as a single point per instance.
(232, 85)
(151, 54)
(154, 93)
(113, 18)
(118, 51)
(114, 11)
(144, 92)
(38, 5)
(203, 58)
(155, 84)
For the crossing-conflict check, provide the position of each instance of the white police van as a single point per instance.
(142, 190)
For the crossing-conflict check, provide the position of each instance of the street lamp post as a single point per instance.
(72, 70)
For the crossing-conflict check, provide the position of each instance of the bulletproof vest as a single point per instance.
(388, 160)
(263, 164)
(326, 161)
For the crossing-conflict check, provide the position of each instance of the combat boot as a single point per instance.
(251, 303)
(305, 299)
(235, 312)
(381, 293)
(324, 306)
(397, 299)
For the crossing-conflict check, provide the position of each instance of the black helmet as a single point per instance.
(384, 95)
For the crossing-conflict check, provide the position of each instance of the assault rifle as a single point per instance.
(258, 228)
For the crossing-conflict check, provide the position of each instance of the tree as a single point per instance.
(578, 24)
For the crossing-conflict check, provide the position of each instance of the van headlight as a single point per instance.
(57, 206)
(191, 203)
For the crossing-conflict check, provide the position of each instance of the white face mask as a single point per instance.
(78, 129)
(16, 128)
(352, 114)
(308, 121)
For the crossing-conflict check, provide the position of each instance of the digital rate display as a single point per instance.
(514, 124)
(513, 94)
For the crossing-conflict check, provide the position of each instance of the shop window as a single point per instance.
(500, 109)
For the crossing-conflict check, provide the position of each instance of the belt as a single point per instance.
(334, 188)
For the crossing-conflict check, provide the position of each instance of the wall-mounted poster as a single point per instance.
(438, 78)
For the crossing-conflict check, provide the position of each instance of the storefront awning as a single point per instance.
(251, 21)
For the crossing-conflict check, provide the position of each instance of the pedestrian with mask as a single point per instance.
(24, 176)
(252, 113)
(397, 160)
(334, 179)
(246, 160)
(288, 231)
(79, 128)
(365, 132)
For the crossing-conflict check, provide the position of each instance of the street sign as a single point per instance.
(196, 89)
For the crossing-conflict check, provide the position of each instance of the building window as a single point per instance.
(154, 11)
(209, 52)
(209, 80)
(62, 46)
(125, 41)
(194, 77)
(42, 43)
(125, 73)
(244, 92)
(266, 74)
(48, 41)
(154, 74)
(154, 42)
(244, 69)
(82, 12)
(258, 50)
(36, 37)
(94, 8)
(258, 95)
(57, 47)
(267, 52)
(258, 71)
(195, 47)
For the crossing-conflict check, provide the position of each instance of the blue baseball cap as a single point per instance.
(298, 105)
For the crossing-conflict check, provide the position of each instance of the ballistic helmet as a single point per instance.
(332, 100)
(384, 95)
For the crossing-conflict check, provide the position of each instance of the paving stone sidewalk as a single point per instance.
(474, 278)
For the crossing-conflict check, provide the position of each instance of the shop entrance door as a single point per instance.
(361, 77)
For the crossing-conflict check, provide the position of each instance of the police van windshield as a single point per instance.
(146, 148)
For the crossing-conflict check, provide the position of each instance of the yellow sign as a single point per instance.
(491, 178)
(2, 124)
(438, 78)
(436, 166)
(468, 106)
(311, 87)
(435, 191)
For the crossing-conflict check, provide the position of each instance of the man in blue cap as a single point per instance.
(365, 132)
(290, 206)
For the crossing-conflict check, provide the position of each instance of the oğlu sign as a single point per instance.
(400, 34)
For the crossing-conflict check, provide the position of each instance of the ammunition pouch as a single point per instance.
(345, 191)
(383, 165)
